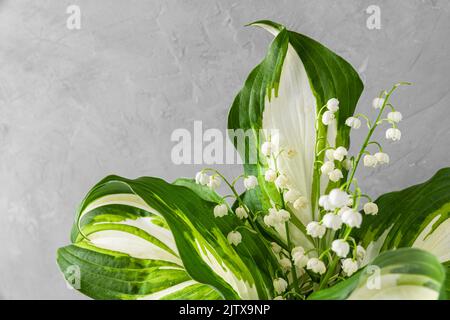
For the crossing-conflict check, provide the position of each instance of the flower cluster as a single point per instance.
(330, 251)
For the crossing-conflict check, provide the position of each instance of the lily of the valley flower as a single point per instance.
(352, 218)
(394, 116)
(349, 266)
(335, 175)
(270, 175)
(315, 229)
(377, 103)
(282, 181)
(267, 148)
(214, 182)
(234, 238)
(291, 195)
(393, 134)
(315, 265)
(280, 285)
(241, 213)
(338, 198)
(329, 154)
(370, 208)
(382, 158)
(201, 178)
(327, 167)
(285, 264)
(300, 203)
(347, 164)
(353, 122)
(340, 247)
(250, 182)
(220, 210)
(298, 257)
(276, 217)
(332, 221)
(370, 161)
(333, 105)
(275, 247)
(360, 253)
(340, 153)
(324, 202)
(328, 117)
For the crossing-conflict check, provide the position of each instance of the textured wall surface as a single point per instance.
(76, 105)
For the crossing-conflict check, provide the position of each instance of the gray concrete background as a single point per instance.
(76, 105)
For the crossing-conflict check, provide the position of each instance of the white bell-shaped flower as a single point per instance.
(270, 175)
(201, 178)
(291, 195)
(283, 215)
(315, 229)
(250, 182)
(340, 247)
(353, 122)
(370, 208)
(285, 264)
(214, 182)
(241, 213)
(393, 134)
(349, 266)
(382, 158)
(338, 198)
(347, 164)
(327, 167)
(370, 161)
(340, 153)
(324, 202)
(335, 175)
(275, 247)
(329, 154)
(394, 116)
(328, 118)
(267, 148)
(234, 238)
(377, 103)
(352, 218)
(280, 285)
(360, 253)
(282, 181)
(300, 203)
(333, 105)
(332, 221)
(316, 266)
(220, 210)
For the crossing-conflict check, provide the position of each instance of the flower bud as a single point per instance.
(280, 285)
(370, 161)
(360, 253)
(340, 247)
(315, 229)
(347, 164)
(335, 175)
(338, 198)
(214, 182)
(275, 247)
(393, 134)
(300, 203)
(328, 118)
(349, 266)
(382, 158)
(333, 105)
(220, 210)
(332, 221)
(241, 213)
(315, 265)
(340, 153)
(201, 178)
(267, 148)
(285, 264)
(234, 238)
(282, 181)
(353, 122)
(270, 175)
(352, 218)
(250, 182)
(371, 208)
(377, 103)
(327, 167)
(395, 116)
(291, 195)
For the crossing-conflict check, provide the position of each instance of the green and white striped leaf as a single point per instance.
(402, 274)
(284, 93)
(148, 239)
(417, 217)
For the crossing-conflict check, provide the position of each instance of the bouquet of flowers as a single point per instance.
(303, 229)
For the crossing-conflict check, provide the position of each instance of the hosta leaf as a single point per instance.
(285, 92)
(402, 274)
(414, 217)
(141, 232)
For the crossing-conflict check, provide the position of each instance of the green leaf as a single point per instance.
(402, 274)
(417, 216)
(285, 92)
(142, 231)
